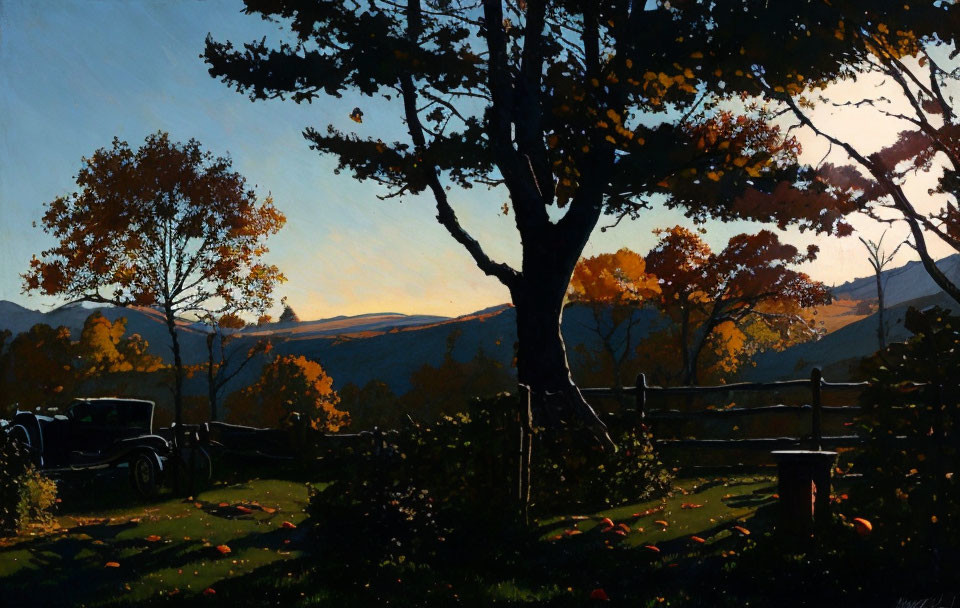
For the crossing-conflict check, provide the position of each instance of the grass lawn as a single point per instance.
(133, 551)
(167, 552)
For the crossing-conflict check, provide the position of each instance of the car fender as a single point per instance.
(29, 422)
(155, 444)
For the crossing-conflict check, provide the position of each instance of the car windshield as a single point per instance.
(113, 413)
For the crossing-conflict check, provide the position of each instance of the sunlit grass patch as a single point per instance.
(177, 547)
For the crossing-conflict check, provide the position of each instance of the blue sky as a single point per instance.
(76, 73)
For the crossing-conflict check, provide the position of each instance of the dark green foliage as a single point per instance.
(13, 464)
(911, 460)
(25, 494)
(446, 491)
(567, 475)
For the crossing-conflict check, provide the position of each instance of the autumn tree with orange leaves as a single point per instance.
(167, 225)
(572, 109)
(286, 385)
(614, 287)
(712, 296)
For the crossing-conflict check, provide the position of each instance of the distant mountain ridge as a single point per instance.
(901, 284)
(839, 352)
(390, 346)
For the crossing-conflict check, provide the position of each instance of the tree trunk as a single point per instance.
(211, 377)
(688, 355)
(881, 333)
(541, 357)
(177, 397)
(178, 370)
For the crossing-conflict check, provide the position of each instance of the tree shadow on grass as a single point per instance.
(66, 570)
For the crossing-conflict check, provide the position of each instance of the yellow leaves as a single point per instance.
(881, 27)
(696, 55)
(610, 139)
(613, 116)
(356, 115)
(740, 161)
(714, 175)
(665, 80)
(616, 278)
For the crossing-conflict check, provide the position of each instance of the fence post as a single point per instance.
(816, 379)
(524, 473)
(641, 389)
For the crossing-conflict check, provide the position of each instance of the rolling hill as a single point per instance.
(391, 346)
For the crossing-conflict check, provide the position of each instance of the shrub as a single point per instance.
(25, 494)
(38, 495)
(911, 459)
(13, 464)
(441, 490)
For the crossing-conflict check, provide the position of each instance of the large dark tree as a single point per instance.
(576, 108)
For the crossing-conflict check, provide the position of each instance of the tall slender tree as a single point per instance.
(167, 225)
(576, 109)
(223, 362)
(879, 259)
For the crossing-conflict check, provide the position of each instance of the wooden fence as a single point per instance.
(642, 394)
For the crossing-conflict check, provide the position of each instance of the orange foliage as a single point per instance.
(133, 208)
(613, 286)
(289, 384)
(612, 278)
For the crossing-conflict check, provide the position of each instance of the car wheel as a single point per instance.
(145, 474)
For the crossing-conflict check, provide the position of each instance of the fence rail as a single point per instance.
(641, 392)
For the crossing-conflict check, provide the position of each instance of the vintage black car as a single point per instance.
(97, 433)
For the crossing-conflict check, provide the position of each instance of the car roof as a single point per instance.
(115, 399)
